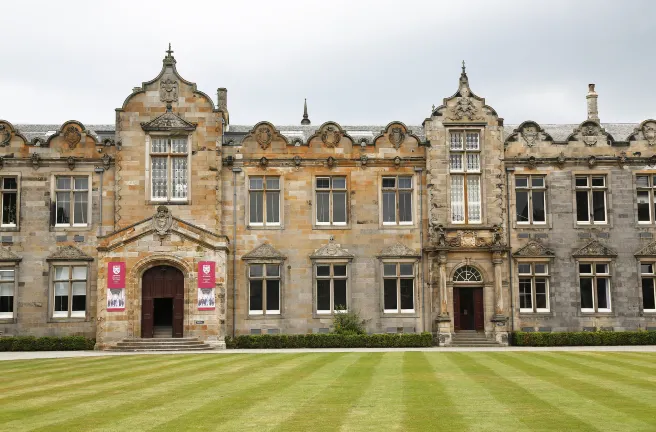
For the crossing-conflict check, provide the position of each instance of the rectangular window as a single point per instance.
(397, 200)
(398, 287)
(594, 282)
(71, 201)
(9, 205)
(331, 288)
(69, 291)
(332, 201)
(465, 169)
(169, 170)
(591, 199)
(648, 279)
(264, 289)
(645, 197)
(530, 199)
(533, 287)
(7, 284)
(264, 201)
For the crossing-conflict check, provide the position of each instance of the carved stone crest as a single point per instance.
(72, 136)
(649, 132)
(595, 248)
(168, 90)
(592, 161)
(467, 239)
(263, 136)
(530, 134)
(331, 136)
(330, 162)
(534, 249)
(560, 160)
(464, 109)
(5, 135)
(71, 163)
(36, 160)
(162, 221)
(106, 160)
(589, 135)
(331, 250)
(396, 136)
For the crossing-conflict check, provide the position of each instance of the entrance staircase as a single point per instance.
(161, 344)
(472, 338)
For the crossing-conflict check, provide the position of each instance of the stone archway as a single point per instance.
(162, 302)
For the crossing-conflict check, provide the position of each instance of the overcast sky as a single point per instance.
(357, 62)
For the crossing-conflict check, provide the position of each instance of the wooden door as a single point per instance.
(479, 313)
(162, 282)
(147, 308)
(456, 309)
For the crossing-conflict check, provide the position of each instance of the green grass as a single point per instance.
(396, 391)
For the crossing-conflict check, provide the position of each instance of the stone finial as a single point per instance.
(593, 112)
(169, 59)
(306, 120)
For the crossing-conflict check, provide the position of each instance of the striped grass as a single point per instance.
(356, 391)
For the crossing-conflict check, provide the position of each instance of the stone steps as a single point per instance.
(472, 339)
(161, 344)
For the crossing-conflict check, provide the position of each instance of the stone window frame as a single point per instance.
(16, 226)
(313, 213)
(53, 198)
(400, 313)
(641, 276)
(349, 276)
(148, 169)
(608, 198)
(652, 174)
(265, 314)
(51, 290)
(547, 200)
(415, 196)
(482, 153)
(4, 316)
(264, 225)
(532, 261)
(611, 287)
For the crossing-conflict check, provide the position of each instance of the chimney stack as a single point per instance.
(222, 96)
(593, 112)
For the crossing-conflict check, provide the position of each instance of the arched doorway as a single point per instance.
(468, 309)
(162, 300)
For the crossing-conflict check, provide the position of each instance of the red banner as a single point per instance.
(206, 277)
(116, 275)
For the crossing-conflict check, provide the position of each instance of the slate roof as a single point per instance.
(31, 131)
(560, 132)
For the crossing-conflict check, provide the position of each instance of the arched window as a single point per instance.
(467, 274)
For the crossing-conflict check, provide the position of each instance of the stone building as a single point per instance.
(174, 222)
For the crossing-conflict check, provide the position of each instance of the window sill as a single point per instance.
(67, 320)
(8, 320)
(9, 228)
(331, 227)
(264, 317)
(151, 202)
(596, 314)
(398, 226)
(536, 314)
(399, 315)
(265, 227)
(60, 228)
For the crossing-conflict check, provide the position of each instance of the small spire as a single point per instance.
(169, 59)
(463, 67)
(170, 51)
(306, 120)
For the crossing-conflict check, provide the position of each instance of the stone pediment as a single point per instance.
(69, 253)
(398, 250)
(649, 250)
(264, 251)
(168, 121)
(533, 249)
(331, 250)
(163, 224)
(595, 249)
(8, 256)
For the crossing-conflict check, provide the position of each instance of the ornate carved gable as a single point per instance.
(264, 251)
(595, 249)
(398, 250)
(649, 250)
(646, 132)
(5, 133)
(590, 133)
(533, 249)
(264, 133)
(396, 133)
(8, 256)
(73, 133)
(331, 134)
(168, 121)
(69, 253)
(332, 250)
(529, 133)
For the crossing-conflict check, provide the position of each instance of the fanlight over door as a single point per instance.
(467, 274)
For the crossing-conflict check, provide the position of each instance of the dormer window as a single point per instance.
(169, 162)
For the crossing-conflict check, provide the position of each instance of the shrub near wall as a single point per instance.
(46, 343)
(584, 338)
(332, 340)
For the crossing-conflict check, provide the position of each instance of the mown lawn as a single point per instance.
(412, 391)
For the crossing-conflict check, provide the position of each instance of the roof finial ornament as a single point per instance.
(463, 67)
(169, 59)
(170, 51)
(306, 119)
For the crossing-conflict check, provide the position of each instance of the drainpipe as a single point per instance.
(100, 170)
(510, 265)
(421, 244)
(234, 250)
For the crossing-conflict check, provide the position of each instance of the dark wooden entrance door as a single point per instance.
(162, 282)
(468, 309)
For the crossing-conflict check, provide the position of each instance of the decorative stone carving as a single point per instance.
(531, 134)
(72, 136)
(464, 109)
(5, 135)
(441, 235)
(166, 122)
(263, 136)
(592, 161)
(560, 160)
(71, 162)
(364, 159)
(162, 221)
(649, 250)
(622, 159)
(331, 136)
(398, 250)
(8, 256)
(467, 239)
(532, 162)
(534, 249)
(69, 253)
(593, 249)
(36, 160)
(396, 136)
(330, 162)
(397, 161)
(264, 251)
(590, 135)
(168, 89)
(331, 250)
(649, 132)
(264, 162)
(297, 160)
(106, 161)
(2, 162)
